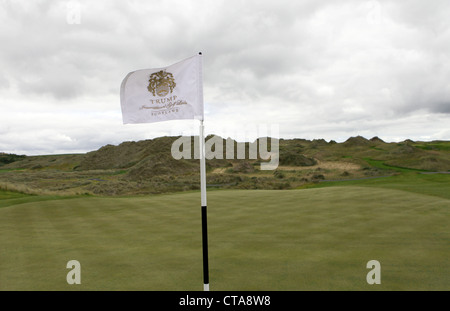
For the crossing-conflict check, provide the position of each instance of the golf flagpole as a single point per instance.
(204, 208)
(173, 92)
(203, 185)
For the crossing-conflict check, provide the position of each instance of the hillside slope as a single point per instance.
(148, 167)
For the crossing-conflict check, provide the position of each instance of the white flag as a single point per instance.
(160, 94)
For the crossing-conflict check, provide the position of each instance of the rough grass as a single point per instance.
(312, 239)
(147, 167)
(382, 165)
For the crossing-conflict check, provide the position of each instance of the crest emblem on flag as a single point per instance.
(161, 83)
(152, 95)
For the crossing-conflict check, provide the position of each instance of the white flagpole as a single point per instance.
(204, 209)
(132, 104)
(203, 192)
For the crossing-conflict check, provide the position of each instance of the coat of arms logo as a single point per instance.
(161, 83)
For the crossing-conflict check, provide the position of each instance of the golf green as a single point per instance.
(310, 239)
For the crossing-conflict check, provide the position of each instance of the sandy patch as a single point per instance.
(332, 165)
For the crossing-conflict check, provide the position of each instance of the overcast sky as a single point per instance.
(316, 69)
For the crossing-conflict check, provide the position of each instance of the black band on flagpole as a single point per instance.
(205, 245)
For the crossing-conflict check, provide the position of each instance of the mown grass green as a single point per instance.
(428, 184)
(310, 239)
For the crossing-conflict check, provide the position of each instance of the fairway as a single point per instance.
(310, 239)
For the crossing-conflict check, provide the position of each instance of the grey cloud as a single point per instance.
(441, 107)
(340, 63)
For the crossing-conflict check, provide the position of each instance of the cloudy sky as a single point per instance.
(315, 69)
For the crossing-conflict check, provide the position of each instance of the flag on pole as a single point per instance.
(160, 94)
(170, 93)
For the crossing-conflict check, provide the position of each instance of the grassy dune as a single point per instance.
(309, 239)
(147, 167)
